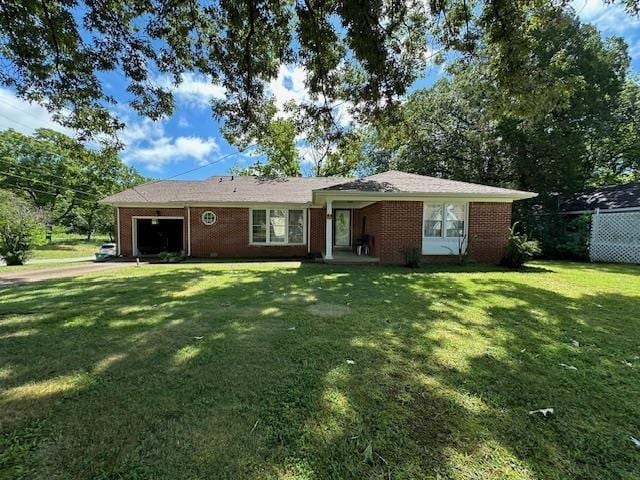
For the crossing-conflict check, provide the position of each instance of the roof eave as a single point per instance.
(190, 203)
(519, 195)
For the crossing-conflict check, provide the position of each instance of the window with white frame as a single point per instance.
(273, 226)
(208, 217)
(444, 220)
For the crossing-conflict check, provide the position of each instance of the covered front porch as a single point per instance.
(350, 232)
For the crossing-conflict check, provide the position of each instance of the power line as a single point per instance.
(36, 169)
(48, 192)
(17, 122)
(52, 184)
(9, 104)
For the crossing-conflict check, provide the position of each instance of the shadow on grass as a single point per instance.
(226, 373)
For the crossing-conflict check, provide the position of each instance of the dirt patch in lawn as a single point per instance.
(328, 309)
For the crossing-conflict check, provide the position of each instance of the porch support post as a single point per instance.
(329, 232)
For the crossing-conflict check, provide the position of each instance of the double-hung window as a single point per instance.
(278, 226)
(444, 220)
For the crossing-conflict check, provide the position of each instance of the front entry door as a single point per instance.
(342, 228)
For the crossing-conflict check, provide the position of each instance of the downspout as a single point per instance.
(118, 233)
(188, 231)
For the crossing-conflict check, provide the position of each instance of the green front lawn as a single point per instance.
(67, 246)
(318, 372)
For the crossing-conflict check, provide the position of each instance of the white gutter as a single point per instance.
(118, 234)
(365, 195)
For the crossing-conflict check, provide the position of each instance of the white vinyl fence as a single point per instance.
(615, 237)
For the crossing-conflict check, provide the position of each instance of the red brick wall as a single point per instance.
(488, 230)
(318, 217)
(394, 225)
(401, 227)
(228, 237)
(391, 225)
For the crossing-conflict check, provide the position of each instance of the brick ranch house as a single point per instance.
(298, 216)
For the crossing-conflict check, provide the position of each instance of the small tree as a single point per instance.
(519, 249)
(19, 223)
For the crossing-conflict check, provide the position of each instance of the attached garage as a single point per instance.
(152, 235)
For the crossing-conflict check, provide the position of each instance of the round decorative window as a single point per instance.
(209, 218)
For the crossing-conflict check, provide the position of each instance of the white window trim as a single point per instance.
(443, 238)
(215, 218)
(268, 243)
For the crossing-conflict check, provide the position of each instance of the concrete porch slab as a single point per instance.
(347, 257)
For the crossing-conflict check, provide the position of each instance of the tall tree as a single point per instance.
(278, 145)
(366, 52)
(61, 176)
(455, 130)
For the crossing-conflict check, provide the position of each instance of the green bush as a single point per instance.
(170, 257)
(561, 236)
(519, 249)
(19, 225)
(412, 256)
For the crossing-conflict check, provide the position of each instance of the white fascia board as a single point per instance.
(411, 196)
(210, 204)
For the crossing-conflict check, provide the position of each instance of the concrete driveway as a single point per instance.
(39, 274)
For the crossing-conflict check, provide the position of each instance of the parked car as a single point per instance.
(107, 250)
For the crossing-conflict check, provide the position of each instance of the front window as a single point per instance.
(278, 226)
(454, 223)
(259, 226)
(433, 221)
(451, 214)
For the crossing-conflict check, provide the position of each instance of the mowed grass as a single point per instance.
(242, 372)
(67, 246)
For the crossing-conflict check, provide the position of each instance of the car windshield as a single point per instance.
(108, 245)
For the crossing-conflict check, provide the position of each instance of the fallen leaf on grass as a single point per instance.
(198, 338)
(292, 328)
(368, 454)
(626, 364)
(568, 367)
(575, 343)
(543, 411)
(635, 441)
(350, 362)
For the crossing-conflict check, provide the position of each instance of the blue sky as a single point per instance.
(191, 137)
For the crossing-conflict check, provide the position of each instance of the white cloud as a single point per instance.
(183, 122)
(611, 20)
(290, 86)
(23, 116)
(157, 153)
(195, 90)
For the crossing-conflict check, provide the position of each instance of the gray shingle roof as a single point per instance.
(226, 190)
(604, 198)
(402, 182)
(243, 189)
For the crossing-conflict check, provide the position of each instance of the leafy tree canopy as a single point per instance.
(454, 129)
(60, 176)
(365, 52)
